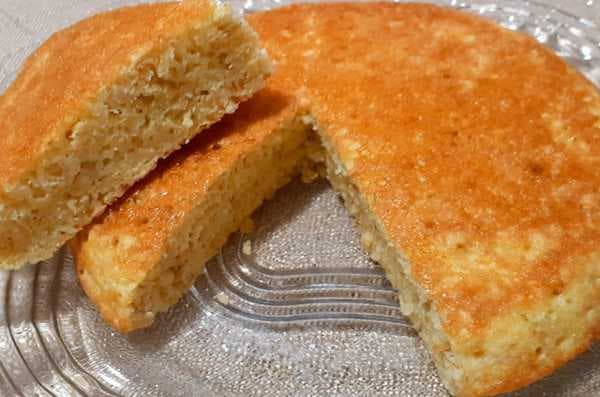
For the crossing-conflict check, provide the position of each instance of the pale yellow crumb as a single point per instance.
(247, 248)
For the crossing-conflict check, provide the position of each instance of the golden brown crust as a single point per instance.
(475, 147)
(60, 78)
(484, 140)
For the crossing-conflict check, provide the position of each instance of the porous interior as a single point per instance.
(536, 340)
(227, 204)
(156, 106)
(524, 345)
(414, 303)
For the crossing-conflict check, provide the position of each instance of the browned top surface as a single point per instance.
(144, 219)
(477, 148)
(55, 83)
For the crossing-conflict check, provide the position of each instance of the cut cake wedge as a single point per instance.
(145, 253)
(98, 104)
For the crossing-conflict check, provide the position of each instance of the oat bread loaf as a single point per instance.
(97, 105)
(468, 155)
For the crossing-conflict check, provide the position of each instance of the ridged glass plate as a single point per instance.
(294, 308)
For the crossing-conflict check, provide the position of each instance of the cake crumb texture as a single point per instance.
(97, 105)
(147, 250)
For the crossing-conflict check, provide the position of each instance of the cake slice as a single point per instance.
(468, 155)
(98, 104)
(145, 253)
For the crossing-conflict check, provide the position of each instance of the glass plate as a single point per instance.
(304, 312)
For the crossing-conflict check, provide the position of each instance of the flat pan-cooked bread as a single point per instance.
(99, 103)
(469, 156)
(145, 253)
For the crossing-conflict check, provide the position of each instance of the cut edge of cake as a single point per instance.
(516, 349)
(413, 300)
(228, 203)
